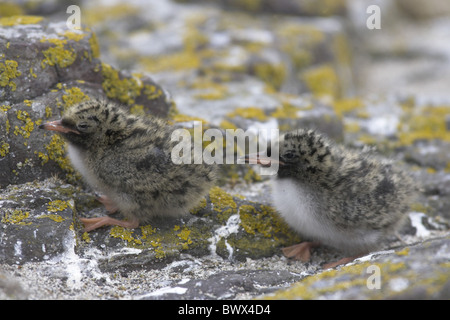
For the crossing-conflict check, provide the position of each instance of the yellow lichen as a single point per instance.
(152, 92)
(222, 203)
(272, 74)
(126, 90)
(56, 151)
(94, 45)
(403, 252)
(27, 128)
(58, 55)
(48, 112)
(345, 106)
(171, 62)
(4, 149)
(8, 9)
(73, 96)
(137, 109)
(57, 205)
(184, 235)
(124, 234)
(54, 217)
(16, 217)
(73, 35)
(322, 81)
(424, 123)
(249, 113)
(8, 71)
(15, 20)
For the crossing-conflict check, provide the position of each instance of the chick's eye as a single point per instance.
(289, 155)
(82, 126)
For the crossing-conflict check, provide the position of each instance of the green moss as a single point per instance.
(15, 20)
(8, 71)
(16, 217)
(322, 81)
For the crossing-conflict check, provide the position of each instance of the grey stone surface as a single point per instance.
(231, 69)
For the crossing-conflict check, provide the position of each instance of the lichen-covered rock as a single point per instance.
(45, 68)
(36, 222)
(222, 225)
(286, 7)
(413, 272)
(229, 70)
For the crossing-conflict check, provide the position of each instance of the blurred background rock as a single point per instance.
(254, 64)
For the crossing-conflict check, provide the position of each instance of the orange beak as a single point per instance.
(57, 126)
(260, 158)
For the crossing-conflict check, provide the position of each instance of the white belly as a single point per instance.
(300, 207)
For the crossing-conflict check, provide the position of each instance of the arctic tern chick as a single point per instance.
(128, 160)
(335, 196)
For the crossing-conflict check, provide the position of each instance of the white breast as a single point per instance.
(79, 162)
(300, 207)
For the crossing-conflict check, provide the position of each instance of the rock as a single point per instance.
(413, 272)
(45, 69)
(417, 10)
(36, 221)
(286, 7)
(228, 70)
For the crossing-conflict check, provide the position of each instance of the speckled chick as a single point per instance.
(127, 159)
(337, 197)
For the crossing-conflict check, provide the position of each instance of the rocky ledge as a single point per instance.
(259, 72)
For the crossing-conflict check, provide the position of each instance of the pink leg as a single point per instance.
(340, 262)
(301, 251)
(110, 206)
(94, 223)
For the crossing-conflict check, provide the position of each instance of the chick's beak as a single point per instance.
(57, 126)
(261, 159)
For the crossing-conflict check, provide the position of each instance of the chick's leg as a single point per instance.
(301, 251)
(110, 206)
(94, 223)
(340, 262)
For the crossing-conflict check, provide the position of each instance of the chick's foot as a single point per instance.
(301, 251)
(94, 223)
